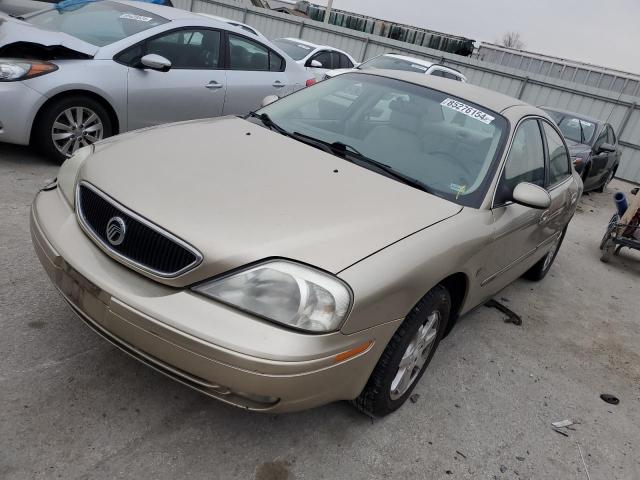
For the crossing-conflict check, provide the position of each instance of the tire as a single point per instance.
(542, 267)
(607, 251)
(99, 126)
(377, 398)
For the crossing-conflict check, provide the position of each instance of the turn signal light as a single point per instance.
(341, 357)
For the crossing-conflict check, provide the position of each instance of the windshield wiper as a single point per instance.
(270, 124)
(581, 131)
(343, 150)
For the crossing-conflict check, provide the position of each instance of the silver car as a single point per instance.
(71, 76)
(326, 247)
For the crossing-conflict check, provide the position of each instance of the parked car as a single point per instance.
(593, 145)
(322, 252)
(70, 77)
(241, 25)
(392, 61)
(20, 8)
(317, 59)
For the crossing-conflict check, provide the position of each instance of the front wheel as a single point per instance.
(407, 355)
(70, 123)
(540, 269)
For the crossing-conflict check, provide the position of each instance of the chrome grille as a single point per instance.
(143, 244)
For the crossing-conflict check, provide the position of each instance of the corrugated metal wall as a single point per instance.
(622, 110)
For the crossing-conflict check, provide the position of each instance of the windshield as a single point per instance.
(98, 23)
(295, 50)
(393, 63)
(574, 128)
(447, 144)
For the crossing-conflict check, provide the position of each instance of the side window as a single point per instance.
(276, 62)
(602, 138)
(245, 54)
(559, 165)
(526, 160)
(345, 62)
(324, 58)
(611, 137)
(437, 73)
(335, 60)
(185, 49)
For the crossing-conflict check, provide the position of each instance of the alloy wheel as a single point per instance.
(415, 356)
(74, 128)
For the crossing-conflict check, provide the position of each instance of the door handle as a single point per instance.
(213, 85)
(278, 84)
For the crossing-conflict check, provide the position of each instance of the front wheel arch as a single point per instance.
(113, 117)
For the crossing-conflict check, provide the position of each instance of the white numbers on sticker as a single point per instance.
(468, 110)
(137, 18)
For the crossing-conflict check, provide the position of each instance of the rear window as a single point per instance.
(294, 49)
(394, 63)
(97, 23)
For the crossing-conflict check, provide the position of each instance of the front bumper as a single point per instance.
(229, 355)
(18, 107)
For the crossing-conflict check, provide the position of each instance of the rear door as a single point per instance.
(193, 88)
(254, 72)
(599, 161)
(561, 185)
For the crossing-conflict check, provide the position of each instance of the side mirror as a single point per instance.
(156, 62)
(531, 195)
(606, 148)
(315, 64)
(268, 100)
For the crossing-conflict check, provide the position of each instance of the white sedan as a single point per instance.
(392, 61)
(317, 59)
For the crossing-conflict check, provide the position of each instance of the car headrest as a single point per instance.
(404, 115)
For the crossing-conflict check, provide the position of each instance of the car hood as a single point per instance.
(14, 31)
(240, 193)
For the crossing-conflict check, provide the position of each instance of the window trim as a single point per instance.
(221, 57)
(547, 155)
(506, 154)
(227, 54)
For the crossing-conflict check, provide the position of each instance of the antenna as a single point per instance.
(615, 105)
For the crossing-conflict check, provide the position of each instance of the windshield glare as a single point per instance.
(97, 23)
(295, 50)
(448, 144)
(393, 63)
(574, 128)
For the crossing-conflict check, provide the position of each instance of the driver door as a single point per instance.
(518, 230)
(194, 87)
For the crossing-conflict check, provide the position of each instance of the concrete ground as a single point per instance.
(72, 406)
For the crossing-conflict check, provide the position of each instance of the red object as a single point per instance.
(311, 81)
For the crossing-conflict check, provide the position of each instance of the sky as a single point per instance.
(603, 32)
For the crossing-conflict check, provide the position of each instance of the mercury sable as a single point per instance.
(315, 250)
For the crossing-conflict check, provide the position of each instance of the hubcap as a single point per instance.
(549, 258)
(74, 128)
(415, 356)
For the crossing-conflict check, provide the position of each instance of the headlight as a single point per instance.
(68, 173)
(285, 292)
(13, 70)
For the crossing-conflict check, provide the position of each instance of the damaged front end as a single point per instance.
(36, 51)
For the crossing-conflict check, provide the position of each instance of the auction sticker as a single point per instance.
(468, 110)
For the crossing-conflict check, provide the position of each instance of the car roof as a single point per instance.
(230, 21)
(312, 45)
(495, 101)
(577, 115)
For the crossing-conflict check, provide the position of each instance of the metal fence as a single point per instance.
(623, 111)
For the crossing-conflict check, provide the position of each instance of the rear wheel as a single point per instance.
(70, 123)
(407, 355)
(540, 269)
